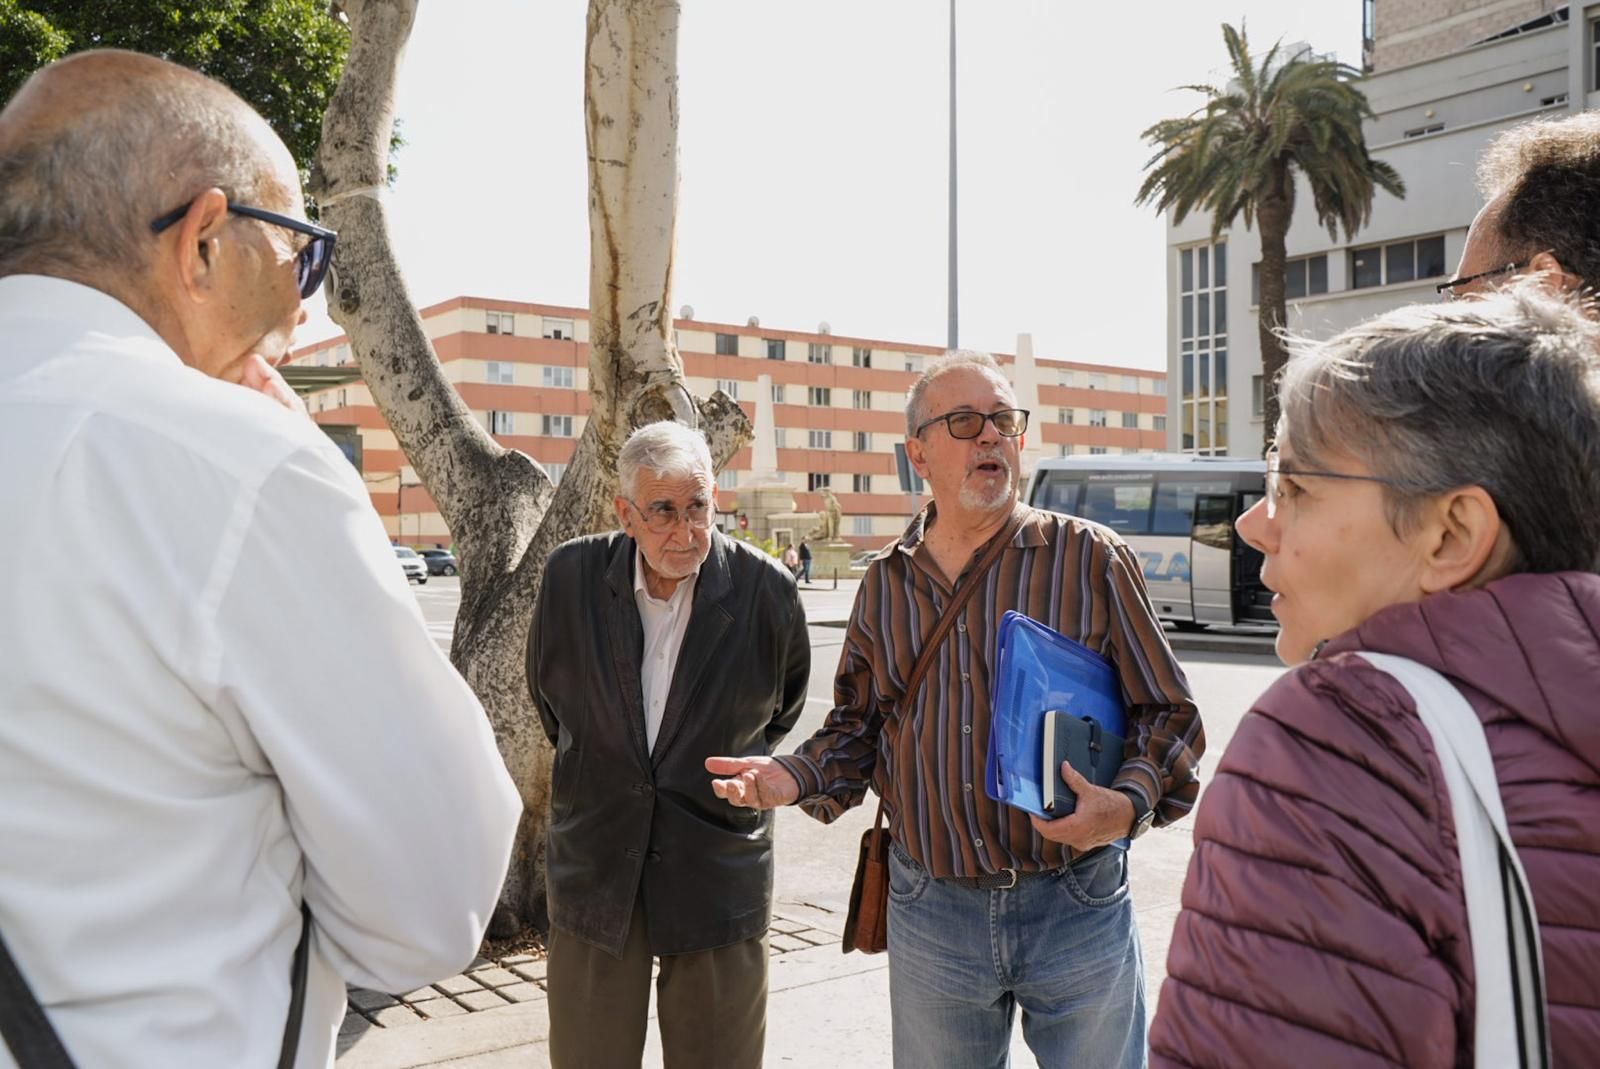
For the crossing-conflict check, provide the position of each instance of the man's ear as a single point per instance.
(1466, 543)
(620, 504)
(1553, 273)
(915, 454)
(196, 245)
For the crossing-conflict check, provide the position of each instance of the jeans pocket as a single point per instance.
(1098, 879)
(907, 879)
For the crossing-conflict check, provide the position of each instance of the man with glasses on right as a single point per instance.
(992, 910)
(1542, 184)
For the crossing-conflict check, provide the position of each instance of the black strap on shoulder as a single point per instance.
(34, 1043)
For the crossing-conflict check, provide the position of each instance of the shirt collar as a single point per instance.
(1030, 535)
(77, 311)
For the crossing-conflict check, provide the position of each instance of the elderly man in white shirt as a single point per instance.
(219, 700)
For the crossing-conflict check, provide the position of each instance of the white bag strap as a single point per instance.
(1507, 959)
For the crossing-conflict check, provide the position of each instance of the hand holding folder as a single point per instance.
(1039, 671)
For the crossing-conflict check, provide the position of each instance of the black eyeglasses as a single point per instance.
(1450, 288)
(311, 264)
(1276, 471)
(1009, 422)
(662, 518)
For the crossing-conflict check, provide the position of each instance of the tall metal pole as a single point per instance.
(954, 334)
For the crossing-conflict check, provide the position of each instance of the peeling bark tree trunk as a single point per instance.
(501, 508)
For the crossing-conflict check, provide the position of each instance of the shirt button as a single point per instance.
(962, 627)
(978, 843)
(965, 677)
(966, 729)
(967, 787)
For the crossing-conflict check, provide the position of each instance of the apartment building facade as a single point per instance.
(1433, 119)
(838, 405)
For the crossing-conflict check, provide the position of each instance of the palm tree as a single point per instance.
(1240, 152)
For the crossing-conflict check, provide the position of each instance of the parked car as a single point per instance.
(414, 567)
(440, 561)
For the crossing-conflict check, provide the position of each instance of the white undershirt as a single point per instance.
(664, 622)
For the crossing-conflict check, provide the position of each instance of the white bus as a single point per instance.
(1176, 513)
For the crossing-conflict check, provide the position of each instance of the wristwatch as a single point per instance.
(1143, 815)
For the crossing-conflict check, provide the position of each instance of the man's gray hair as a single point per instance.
(1502, 392)
(82, 198)
(666, 450)
(1549, 170)
(950, 361)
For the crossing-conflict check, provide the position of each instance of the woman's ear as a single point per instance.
(1466, 543)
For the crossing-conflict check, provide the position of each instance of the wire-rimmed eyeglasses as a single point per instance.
(1451, 288)
(311, 263)
(661, 517)
(1276, 471)
(1008, 422)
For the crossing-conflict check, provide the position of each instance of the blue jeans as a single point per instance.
(1062, 946)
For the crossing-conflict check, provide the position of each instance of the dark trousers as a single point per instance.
(711, 1004)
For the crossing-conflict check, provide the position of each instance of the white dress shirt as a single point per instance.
(217, 696)
(664, 623)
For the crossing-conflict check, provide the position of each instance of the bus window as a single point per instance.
(1058, 492)
(1174, 511)
(1122, 506)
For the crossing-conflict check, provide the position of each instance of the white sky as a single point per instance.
(812, 160)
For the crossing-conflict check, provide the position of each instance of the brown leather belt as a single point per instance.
(1003, 880)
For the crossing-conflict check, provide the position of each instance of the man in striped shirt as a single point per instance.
(992, 909)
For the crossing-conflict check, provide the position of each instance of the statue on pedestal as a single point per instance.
(831, 520)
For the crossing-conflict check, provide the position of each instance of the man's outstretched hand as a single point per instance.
(753, 782)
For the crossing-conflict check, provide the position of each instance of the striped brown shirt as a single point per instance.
(1073, 575)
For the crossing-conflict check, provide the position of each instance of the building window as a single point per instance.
(1064, 377)
(727, 479)
(1097, 450)
(500, 322)
(819, 395)
(502, 423)
(1400, 261)
(777, 393)
(1064, 415)
(729, 387)
(1257, 396)
(781, 434)
(819, 439)
(1303, 276)
(862, 441)
(557, 329)
(860, 357)
(816, 480)
(1130, 421)
(1202, 329)
(913, 363)
(1594, 36)
(861, 525)
(498, 374)
(1158, 423)
(557, 378)
(727, 345)
(817, 353)
(1423, 131)
(774, 348)
(1552, 101)
(556, 426)
(557, 472)
(1130, 384)
(860, 398)
(1097, 382)
(861, 484)
(1158, 387)
(1066, 450)
(1097, 417)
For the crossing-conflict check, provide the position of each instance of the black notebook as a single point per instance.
(1095, 752)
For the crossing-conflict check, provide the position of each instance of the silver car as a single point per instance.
(415, 568)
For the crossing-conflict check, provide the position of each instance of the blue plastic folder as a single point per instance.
(1038, 669)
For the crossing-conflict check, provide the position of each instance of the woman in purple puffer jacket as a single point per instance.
(1436, 495)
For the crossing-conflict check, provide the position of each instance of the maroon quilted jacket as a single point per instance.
(1323, 919)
